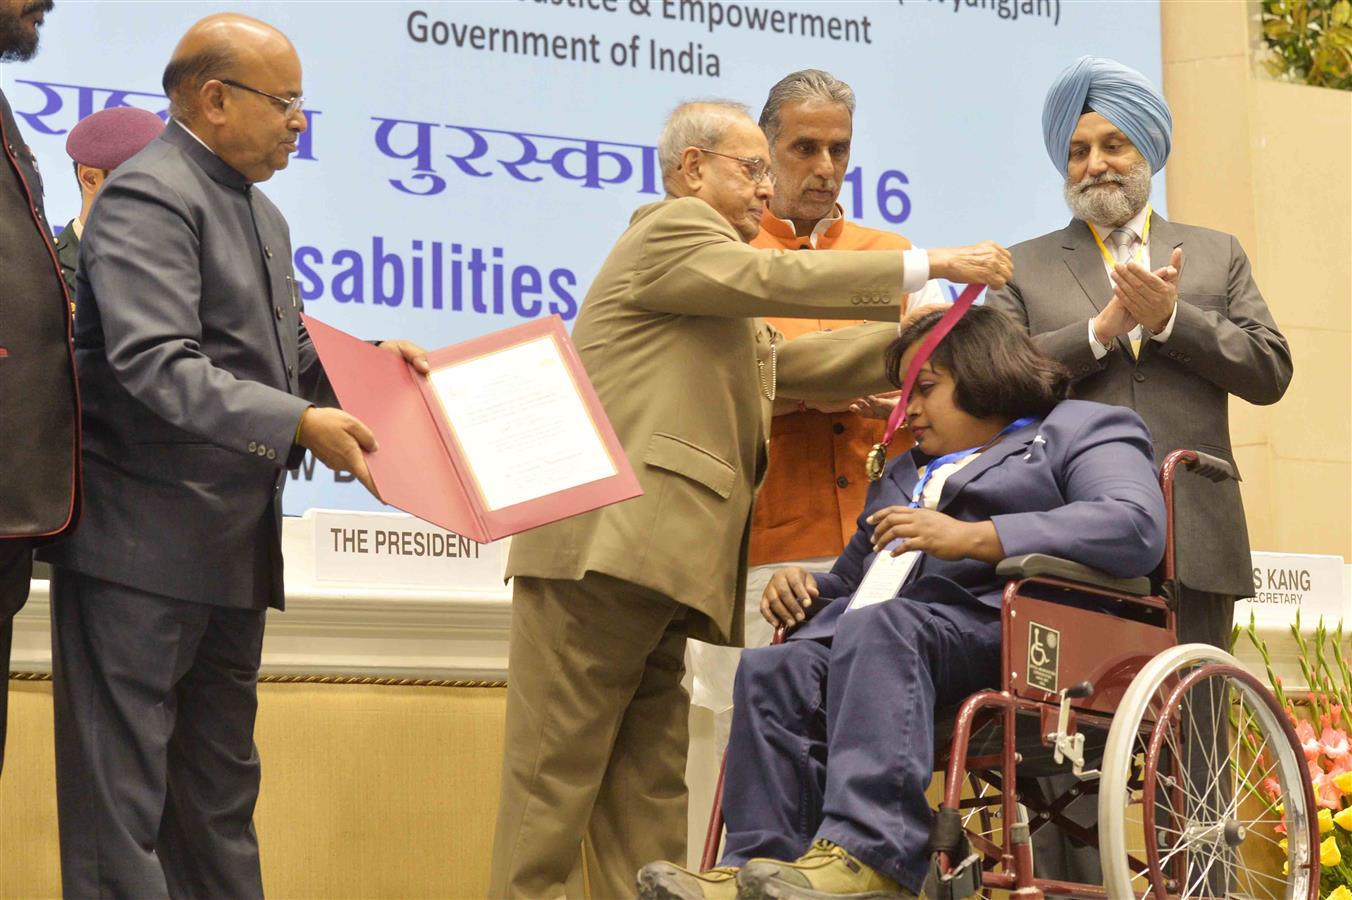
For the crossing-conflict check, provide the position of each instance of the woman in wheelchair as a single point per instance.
(832, 742)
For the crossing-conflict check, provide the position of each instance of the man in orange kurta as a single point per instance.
(814, 490)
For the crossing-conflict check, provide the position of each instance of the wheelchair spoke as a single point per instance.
(1210, 822)
(1167, 858)
(1254, 833)
(982, 809)
(1251, 872)
(1247, 777)
(1202, 879)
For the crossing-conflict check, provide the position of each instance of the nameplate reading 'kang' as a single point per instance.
(384, 549)
(1287, 583)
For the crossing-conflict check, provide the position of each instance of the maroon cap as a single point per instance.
(110, 137)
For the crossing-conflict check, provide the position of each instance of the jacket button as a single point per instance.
(267, 251)
(838, 428)
(842, 481)
(272, 454)
(1139, 376)
(291, 370)
(278, 311)
(253, 446)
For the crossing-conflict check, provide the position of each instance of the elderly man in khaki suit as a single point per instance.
(603, 602)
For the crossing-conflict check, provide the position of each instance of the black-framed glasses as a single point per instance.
(289, 106)
(755, 168)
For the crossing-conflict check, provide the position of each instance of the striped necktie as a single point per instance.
(1122, 244)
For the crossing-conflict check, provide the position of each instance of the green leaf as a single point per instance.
(1277, 28)
(1311, 40)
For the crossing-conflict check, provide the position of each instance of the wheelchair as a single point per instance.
(1202, 787)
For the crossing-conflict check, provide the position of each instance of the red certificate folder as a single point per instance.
(425, 466)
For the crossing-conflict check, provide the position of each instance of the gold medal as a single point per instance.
(875, 461)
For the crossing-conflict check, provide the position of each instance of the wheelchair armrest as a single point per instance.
(1033, 565)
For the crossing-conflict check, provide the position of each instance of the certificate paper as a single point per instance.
(521, 424)
(505, 434)
(884, 578)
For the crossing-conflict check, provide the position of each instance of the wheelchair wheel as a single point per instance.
(1208, 825)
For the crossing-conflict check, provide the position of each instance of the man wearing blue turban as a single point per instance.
(1150, 314)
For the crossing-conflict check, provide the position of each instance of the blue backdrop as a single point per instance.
(468, 165)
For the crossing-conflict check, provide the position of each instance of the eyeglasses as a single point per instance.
(289, 106)
(755, 168)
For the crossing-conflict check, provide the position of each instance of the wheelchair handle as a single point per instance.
(1210, 467)
(1213, 467)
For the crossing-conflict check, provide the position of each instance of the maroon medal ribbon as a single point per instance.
(877, 457)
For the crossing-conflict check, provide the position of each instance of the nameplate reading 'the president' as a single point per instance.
(396, 549)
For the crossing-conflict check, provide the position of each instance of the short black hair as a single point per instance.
(996, 368)
(184, 76)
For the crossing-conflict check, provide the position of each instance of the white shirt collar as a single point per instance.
(1136, 225)
(820, 228)
(180, 124)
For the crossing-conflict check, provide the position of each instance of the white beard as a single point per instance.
(1107, 206)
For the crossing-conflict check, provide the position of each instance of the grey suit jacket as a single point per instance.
(1224, 342)
(193, 367)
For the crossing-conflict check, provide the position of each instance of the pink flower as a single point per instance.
(1326, 793)
(1308, 741)
(1333, 744)
(1273, 788)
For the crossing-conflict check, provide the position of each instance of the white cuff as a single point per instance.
(915, 269)
(1095, 347)
(1168, 328)
(930, 293)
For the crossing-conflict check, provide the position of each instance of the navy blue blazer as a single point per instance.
(1080, 484)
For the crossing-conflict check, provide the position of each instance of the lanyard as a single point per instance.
(877, 457)
(1140, 251)
(918, 494)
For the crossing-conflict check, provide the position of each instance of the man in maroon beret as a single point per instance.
(99, 144)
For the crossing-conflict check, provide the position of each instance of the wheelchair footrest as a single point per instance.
(949, 837)
(963, 882)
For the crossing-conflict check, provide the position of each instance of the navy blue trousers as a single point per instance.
(834, 737)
